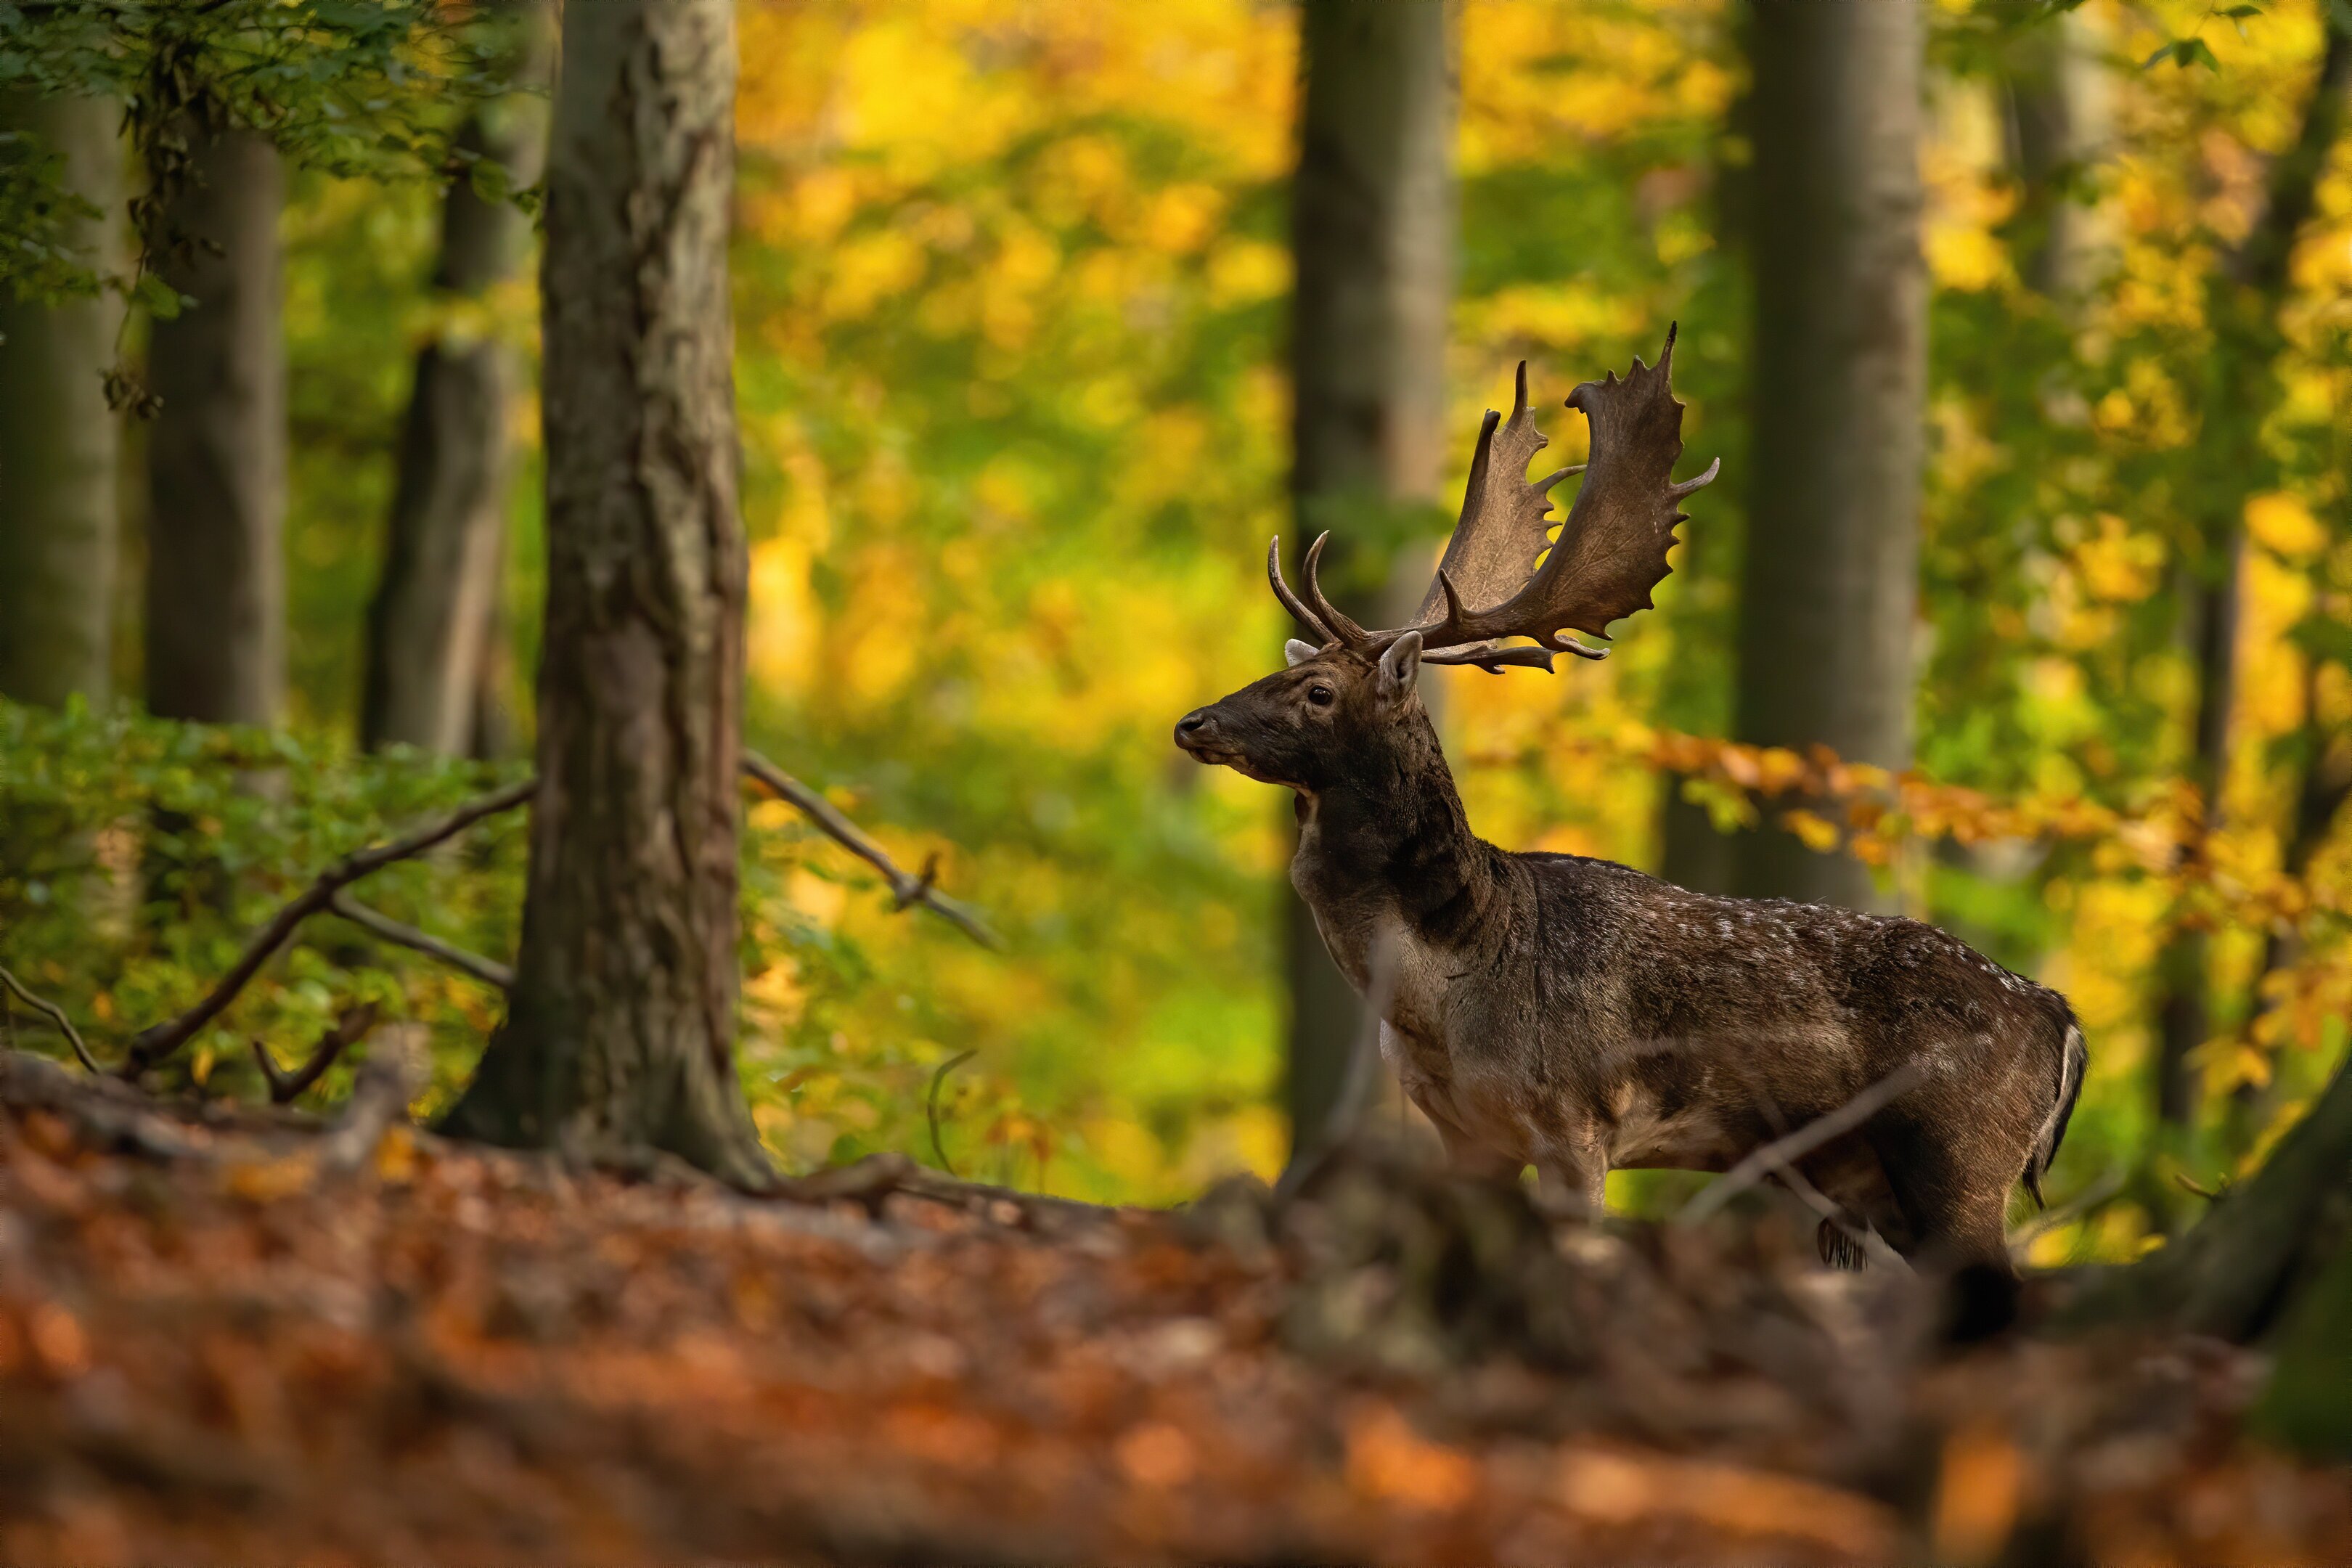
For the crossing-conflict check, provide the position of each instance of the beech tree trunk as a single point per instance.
(2056, 100)
(1830, 581)
(430, 660)
(2242, 390)
(619, 1038)
(59, 441)
(1372, 227)
(216, 647)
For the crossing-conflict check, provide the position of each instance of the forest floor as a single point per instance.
(224, 1338)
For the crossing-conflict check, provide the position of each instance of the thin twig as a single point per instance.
(489, 970)
(156, 1043)
(905, 889)
(931, 1104)
(55, 1015)
(2073, 1209)
(285, 1086)
(1782, 1153)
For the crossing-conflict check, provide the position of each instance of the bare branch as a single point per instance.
(348, 1029)
(55, 1015)
(489, 970)
(905, 889)
(931, 1105)
(1778, 1156)
(2075, 1208)
(156, 1043)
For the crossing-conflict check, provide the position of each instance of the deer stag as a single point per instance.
(1579, 1016)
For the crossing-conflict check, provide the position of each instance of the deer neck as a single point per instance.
(1394, 843)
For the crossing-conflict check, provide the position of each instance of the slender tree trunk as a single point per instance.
(59, 441)
(2241, 389)
(216, 647)
(2056, 100)
(1373, 228)
(435, 612)
(620, 1035)
(1829, 591)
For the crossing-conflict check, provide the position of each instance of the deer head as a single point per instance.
(1335, 710)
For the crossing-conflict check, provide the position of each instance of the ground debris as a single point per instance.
(211, 1351)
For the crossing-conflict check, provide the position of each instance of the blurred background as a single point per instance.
(2025, 604)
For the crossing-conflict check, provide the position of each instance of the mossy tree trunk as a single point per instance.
(619, 1039)
(431, 662)
(216, 649)
(59, 441)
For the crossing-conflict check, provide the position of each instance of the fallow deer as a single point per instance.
(1576, 1015)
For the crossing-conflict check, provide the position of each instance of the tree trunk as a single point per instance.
(59, 441)
(1829, 588)
(216, 647)
(619, 1039)
(435, 615)
(2058, 117)
(1372, 226)
(2241, 389)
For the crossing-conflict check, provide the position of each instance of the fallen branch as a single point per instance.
(158, 1041)
(489, 970)
(56, 1016)
(1781, 1154)
(104, 1113)
(905, 889)
(287, 1086)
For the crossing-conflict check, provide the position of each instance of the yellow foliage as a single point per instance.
(2283, 522)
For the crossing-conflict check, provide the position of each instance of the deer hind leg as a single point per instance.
(1958, 1214)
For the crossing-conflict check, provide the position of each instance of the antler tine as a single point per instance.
(1676, 492)
(1290, 601)
(1505, 576)
(1343, 627)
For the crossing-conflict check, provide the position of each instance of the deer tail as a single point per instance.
(2073, 1057)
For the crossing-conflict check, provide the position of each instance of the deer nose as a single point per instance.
(1193, 726)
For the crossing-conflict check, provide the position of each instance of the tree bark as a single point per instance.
(2058, 115)
(620, 1035)
(59, 441)
(2242, 390)
(1829, 587)
(1372, 226)
(216, 647)
(435, 617)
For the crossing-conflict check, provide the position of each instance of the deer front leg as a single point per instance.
(1467, 1157)
(1572, 1176)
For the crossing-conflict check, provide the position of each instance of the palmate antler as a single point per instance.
(1612, 551)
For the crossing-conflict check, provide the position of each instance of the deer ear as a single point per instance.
(1400, 666)
(1295, 653)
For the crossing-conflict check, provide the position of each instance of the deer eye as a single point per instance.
(1320, 695)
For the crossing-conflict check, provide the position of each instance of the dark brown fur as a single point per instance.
(1576, 1014)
